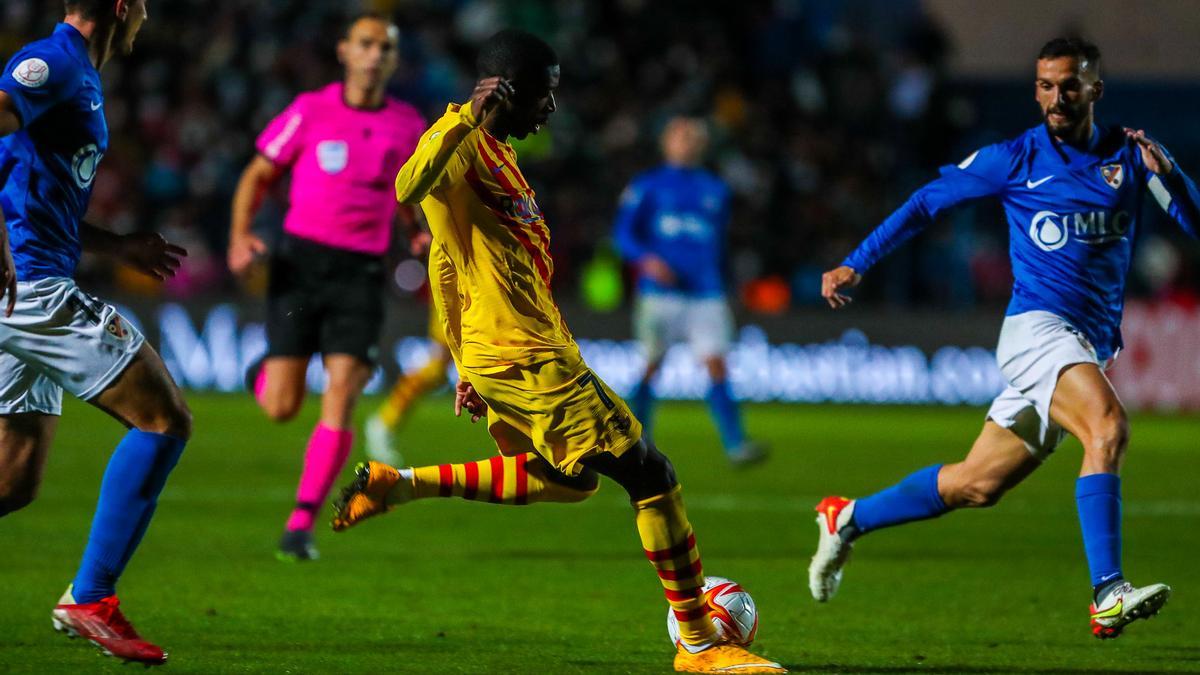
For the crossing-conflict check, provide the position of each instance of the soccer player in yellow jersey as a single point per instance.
(556, 424)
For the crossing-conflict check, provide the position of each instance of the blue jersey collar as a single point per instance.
(76, 39)
(1071, 155)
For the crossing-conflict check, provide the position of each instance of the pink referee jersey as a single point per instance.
(344, 163)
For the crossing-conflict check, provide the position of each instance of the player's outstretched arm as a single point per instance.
(146, 252)
(437, 160)
(252, 188)
(1173, 189)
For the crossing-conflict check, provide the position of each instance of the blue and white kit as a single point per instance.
(58, 337)
(680, 215)
(1073, 217)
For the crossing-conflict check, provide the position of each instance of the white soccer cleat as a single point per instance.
(379, 442)
(1124, 604)
(825, 570)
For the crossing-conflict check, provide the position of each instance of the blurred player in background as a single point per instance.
(1072, 192)
(53, 336)
(672, 225)
(343, 145)
(381, 427)
(490, 270)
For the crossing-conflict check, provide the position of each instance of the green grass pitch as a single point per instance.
(445, 586)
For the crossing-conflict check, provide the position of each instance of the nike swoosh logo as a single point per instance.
(96, 105)
(1034, 183)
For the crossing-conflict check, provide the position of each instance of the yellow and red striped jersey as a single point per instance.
(490, 264)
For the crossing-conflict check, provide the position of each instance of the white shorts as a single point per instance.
(706, 324)
(60, 338)
(1033, 350)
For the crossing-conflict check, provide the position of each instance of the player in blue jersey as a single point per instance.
(671, 225)
(53, 336)
(1072, 192)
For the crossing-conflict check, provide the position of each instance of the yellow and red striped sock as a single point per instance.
(409, 388)
(523, 479)
(670, 545)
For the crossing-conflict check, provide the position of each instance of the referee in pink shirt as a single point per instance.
(344, 145)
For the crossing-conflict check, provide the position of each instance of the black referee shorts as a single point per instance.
(324, 300)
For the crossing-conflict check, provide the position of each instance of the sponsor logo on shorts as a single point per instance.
(621, 422)
(32, 73)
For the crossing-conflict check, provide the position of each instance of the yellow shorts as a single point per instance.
(557, 408)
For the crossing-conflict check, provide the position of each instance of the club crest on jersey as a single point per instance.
(333, 156)
(32, 73)
(1113, 174)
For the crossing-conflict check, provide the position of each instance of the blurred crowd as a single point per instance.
(825, 115)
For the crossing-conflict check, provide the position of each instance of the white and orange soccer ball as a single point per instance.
(732, 611)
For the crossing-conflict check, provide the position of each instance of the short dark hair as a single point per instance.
(89, 9)
(513, 52)
(1075, 47)
(374, 16)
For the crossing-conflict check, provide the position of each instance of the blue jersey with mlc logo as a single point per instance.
(1072, 219)
(47, 168)
(678, 214)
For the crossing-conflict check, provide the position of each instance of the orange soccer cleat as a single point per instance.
(368, 495)
(723, 658)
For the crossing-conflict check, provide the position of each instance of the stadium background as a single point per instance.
(826, 114)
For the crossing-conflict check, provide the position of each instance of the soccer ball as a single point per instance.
(731, 609)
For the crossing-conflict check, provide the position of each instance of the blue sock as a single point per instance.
(1098, 498)
(914, 498)
(725, 413)
(128, 494)
(642, 400)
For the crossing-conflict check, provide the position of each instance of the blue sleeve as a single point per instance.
(629, 230)
(984, 173)
(37, 80)
(1177, 195)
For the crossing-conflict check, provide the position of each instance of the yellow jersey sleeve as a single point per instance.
(447, 300)
(441, 156)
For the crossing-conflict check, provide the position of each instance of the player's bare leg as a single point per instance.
(997, 462)
(1086, 405)
(24, 444)
(145, 399)
(280, 384)
(328, 448)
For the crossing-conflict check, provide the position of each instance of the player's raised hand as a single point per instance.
(465, 396)
(836, 280)
(8, 274)
(150, 254)
(243, 250)
(1153, 155)
(489, 94)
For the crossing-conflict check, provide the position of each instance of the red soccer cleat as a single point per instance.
(103, 623)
